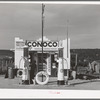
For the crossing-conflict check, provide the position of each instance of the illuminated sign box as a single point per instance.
(40, 44)
(37, 45)
(47, 45)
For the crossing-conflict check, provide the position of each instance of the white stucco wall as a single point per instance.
(20, 43)
(19, 53)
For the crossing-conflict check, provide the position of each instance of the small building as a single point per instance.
(50, 50)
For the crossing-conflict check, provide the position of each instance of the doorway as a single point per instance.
(40, 67)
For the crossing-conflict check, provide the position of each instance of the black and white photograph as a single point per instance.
(50, 46)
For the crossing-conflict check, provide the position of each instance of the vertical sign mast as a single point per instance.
(42, 33)
(67, 51)
(67, 39)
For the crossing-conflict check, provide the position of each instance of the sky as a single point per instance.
(24, 21)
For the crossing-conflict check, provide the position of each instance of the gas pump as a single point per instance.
(25, 71)
(60, 80)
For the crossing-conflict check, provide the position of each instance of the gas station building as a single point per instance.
(50, 53)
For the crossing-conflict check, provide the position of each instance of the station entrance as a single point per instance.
(49, 63)
(44, 67)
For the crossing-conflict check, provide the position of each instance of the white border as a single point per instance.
(54, 2)
(50, 94)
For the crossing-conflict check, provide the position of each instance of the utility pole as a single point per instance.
(42, 34)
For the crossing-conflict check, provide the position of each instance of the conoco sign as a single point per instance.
(40, 44)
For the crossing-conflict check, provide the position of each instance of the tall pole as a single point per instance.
(42, 34)
(67, 39)
(67, 51)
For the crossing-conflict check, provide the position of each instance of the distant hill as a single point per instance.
(6, 53)
(86, 55)
(91, 54)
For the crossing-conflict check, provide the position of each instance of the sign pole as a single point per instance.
(42, 34)
(67, 51)
(67, 38)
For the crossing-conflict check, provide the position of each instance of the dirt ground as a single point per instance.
(6, 83)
